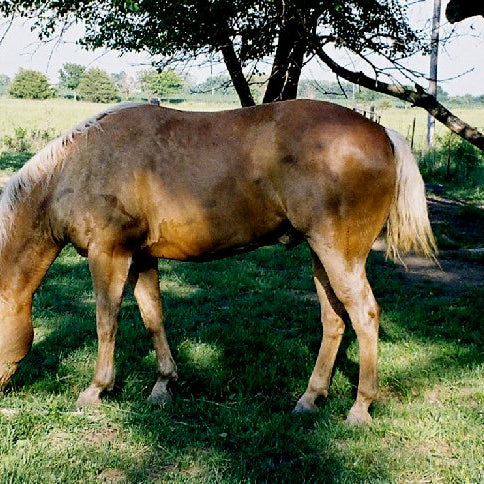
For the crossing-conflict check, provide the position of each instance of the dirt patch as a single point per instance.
(459, 228)
(112, 476)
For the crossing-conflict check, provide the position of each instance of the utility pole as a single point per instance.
(434, 53)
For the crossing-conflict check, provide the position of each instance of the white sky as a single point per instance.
(20, 48)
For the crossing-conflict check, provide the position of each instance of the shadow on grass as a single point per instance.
(245, 333)
(12, 161)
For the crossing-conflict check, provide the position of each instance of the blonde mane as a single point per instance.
(42, 166)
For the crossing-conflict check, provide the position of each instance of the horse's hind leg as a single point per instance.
(333, 328)
(144, 279)
(347, 277)
(109, 272)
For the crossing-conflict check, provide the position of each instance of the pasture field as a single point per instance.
(245, 333)
(59, 115)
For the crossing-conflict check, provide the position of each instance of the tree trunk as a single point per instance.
(239, 81)
(280, 63)
(416, 97)
(294, 71)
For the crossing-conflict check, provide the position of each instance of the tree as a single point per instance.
(161, 83)
(96, 86)
(70, 75)
(458, 10)
(31, 84)
(220, 84)
(125, 84)
(4, 83)
(245, 34)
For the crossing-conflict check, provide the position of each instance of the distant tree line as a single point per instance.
(96, 85)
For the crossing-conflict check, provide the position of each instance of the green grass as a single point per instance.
(59, 115)
(469, 192)
(402, 121)
(245, 333)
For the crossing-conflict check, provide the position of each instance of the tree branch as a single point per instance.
(417, 97)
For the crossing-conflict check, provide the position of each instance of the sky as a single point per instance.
(461, 61)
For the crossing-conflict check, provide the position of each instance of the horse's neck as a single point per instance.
(25, 255)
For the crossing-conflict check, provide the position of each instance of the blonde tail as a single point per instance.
(408, 226)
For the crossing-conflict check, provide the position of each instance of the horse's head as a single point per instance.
(16, 335)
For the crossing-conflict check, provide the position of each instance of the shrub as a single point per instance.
(453, 158)
(24, 140)
(97, 86)
(31, 85)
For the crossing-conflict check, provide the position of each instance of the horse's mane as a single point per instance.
(42, 166)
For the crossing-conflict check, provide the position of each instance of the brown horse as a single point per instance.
(143, 182)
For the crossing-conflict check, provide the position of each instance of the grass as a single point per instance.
(59, 115)
(469, 192)
(402, 121)
(245, 333)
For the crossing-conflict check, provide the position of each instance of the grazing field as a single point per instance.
(59, 115)
(245, 333)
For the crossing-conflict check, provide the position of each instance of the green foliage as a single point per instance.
(11, 162)
(453, 159)
(27, 140)
(18, 141)
(220, 84)
(70, 75)
(31, 85)
(97, 86)
(244, 32)
(162, 83)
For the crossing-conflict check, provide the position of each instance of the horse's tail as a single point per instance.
(408, 225)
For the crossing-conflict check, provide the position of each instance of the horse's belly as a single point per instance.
(202, 239)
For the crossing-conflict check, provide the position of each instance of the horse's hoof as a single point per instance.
(358, 417)
(160, 393)
(159, 399)
(304, 409)
(88, 398)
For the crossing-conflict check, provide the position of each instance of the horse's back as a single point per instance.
(184, 184)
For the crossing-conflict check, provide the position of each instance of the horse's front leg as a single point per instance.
(144, 279)
(109, 271)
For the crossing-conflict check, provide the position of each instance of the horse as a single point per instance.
(141, 182)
